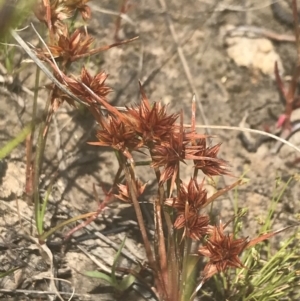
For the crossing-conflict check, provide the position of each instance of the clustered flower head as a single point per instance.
(81, 6)
(152, 122)
(193, 195)
(54, 12)
(67, 47)
(123, 191)
(223, 251)
(208, 161)
(149, 126)
(80, 87)
(190, 200)
(95, 83)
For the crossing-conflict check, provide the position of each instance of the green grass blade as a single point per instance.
(12, 144)
(99, 275)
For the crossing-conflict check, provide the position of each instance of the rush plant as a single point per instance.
(185, 236)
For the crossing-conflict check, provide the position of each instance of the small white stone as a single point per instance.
(254, 53)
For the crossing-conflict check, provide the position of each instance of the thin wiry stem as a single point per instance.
(161, 250)
(184, 273)
(102, 48)
(172, 265)
(29, 139)
(37, 167)
(137, 208)
(242, 129)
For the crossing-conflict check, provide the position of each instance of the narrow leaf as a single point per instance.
(114, 266)
(265, 236)
(99, 275)
(126, 282)
(3, 274)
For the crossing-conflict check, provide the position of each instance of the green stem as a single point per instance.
(184, 275)
(29, 140)
(12, 144)
(46, 234)
(37, 167)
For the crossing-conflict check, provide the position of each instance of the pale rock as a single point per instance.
(254, 53)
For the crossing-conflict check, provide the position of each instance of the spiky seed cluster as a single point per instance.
(223, 251)
(145, 125)
(95, 83)
(60, 10)
(193, 195)
(118, 135)
(124, 194)
(168, 157)
(81, 6)
(188, 204)
(195, 226)
(152, 123)
(148, 126)
(208, 161)
(68, 47)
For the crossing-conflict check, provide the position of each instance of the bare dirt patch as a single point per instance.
(227, 89)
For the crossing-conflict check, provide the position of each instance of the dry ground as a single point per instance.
(226, 90)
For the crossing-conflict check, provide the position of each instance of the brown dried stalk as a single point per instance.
(291, 100)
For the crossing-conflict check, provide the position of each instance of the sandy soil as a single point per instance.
(232, 75)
